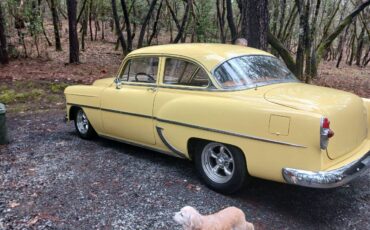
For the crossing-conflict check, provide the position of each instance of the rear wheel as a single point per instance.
(83, 126)
(221, 166)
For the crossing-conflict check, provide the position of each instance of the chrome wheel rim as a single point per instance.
(218, 162)
(82, 122)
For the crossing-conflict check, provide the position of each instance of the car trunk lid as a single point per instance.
(345, 111)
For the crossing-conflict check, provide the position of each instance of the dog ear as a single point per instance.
(195, 220)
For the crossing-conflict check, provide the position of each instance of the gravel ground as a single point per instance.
(52, 179)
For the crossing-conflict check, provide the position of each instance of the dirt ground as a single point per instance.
(52, 179)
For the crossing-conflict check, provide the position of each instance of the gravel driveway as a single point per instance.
(52, 179)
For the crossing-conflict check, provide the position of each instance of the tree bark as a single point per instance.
(329, 40)
(128, 25)
(54, 12)
(230, 20)
(184, 21)
(155, 25)
(255, 23)
(118, 29)
(74, 53)
(145, 23)
(221, 19)
(4, 57)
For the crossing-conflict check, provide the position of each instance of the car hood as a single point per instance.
(345, 111)
(104, 82)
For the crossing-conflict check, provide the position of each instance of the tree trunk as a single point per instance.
(230, 20)
(54, 12)
(155, 26)
(255, 23)
(4, 57)
(303, 22)
(145, 23)
(327, 41)
(184, 21)
(74, 54)
(118, 29)
(360, 46)
(128, 25)
(90, 20)
(221, 20)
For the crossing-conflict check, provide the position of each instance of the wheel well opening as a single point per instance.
(193, 142)
(72, 112)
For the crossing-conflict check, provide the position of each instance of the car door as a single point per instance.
(127, 110)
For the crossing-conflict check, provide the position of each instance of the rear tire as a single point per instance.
(222, 167)
(83, 126)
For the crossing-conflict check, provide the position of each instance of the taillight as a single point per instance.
(325, 133)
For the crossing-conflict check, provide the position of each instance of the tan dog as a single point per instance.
(230, 218)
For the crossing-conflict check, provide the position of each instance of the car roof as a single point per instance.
(208, 54)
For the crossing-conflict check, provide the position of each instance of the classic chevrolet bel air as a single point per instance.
(237, 112)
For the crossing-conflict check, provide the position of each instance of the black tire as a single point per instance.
(87, 132)
(239, 176)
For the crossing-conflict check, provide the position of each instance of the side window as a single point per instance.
(180, 72)
(141, 70)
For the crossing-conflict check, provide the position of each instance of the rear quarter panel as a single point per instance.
(367, 106)
(243, 115)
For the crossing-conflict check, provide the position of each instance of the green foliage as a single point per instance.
(58, 87)
(10, 95)
(204, 20)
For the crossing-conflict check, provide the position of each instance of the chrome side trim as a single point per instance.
(198, 127)
(137, 145)
(167, 144)
(327, 179)
(127, 113)
(230, 133)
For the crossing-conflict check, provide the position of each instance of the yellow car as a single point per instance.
(235, 111)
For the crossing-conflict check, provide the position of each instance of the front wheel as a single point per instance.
(83, 126)
(222, 167)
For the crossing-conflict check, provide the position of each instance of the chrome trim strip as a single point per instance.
(230, 133)
(138, 145)
(128, 113)
(197, 127)
(167, 144)
(327, 179)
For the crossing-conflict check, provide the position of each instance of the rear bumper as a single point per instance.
(327, 179)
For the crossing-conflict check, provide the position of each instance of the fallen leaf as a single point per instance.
(33, 221)
(13, 204)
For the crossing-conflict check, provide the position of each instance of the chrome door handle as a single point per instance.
(153, 89)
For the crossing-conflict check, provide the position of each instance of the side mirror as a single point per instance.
(118, 83)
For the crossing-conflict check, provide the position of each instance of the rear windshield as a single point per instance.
(251, 71)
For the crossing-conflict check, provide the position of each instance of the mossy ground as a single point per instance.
(23, 96)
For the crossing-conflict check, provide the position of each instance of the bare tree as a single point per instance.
(74, 53)
(145, 23)
(54, 12)
(4, 58)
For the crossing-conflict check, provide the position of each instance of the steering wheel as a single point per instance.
(142, 73)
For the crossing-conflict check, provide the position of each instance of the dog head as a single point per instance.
(189, 218)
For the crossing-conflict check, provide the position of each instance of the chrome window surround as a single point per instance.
(261, 84)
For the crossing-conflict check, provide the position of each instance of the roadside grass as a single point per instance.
(32, 96)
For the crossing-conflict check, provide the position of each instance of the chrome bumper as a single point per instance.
(327, 179)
